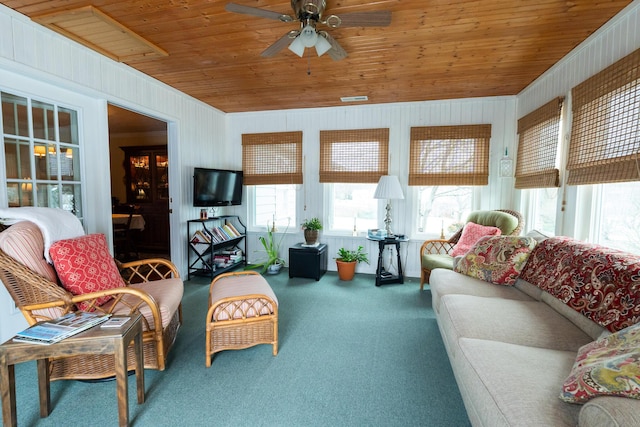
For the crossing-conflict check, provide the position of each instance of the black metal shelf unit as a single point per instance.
(216, 245)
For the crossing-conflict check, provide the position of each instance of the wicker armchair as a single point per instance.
(153, 288)
(436, 253)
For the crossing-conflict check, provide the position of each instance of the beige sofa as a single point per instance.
(512, 347)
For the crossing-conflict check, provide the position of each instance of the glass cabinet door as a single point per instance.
(140, 178)
(162, 174)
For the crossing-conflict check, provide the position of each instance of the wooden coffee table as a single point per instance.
(96, 340)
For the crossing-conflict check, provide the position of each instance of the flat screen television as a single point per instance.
(216, 187)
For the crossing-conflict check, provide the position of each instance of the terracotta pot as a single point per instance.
(346, 270)
(310, 236)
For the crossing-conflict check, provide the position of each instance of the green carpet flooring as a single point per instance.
(350, 354)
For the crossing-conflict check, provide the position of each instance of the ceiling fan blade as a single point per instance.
(280, 44)
(380, 18)
(336, 52)
(254, 11)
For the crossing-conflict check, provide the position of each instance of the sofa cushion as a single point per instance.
(507, 384)
(497, 259)
(433, 261)
(167, 293)
(610, 411)
(471, 233)
(602, 284)
(447, 282)
(85, 265)
(23, 242)
(609, 366)
(530, 323)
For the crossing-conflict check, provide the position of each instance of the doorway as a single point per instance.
(139, 183)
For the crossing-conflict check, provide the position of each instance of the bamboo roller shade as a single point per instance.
(354, 156)
(449, 155)
(272, 158)
(605, 133)
(538, 146)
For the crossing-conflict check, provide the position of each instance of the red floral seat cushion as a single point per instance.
(85, 265)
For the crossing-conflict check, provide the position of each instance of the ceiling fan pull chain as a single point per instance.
(308, 65)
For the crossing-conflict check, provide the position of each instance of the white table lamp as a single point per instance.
(388, 188)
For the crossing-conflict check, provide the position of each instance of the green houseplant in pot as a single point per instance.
(311, 228)
(273, 262)
(347, 260)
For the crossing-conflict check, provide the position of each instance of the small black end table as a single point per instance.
(383, 277)
(308, 261)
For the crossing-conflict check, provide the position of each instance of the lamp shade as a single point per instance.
(322, 45)
(308, 36)
(297, 46)
(388, 188)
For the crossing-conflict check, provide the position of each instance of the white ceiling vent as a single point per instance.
(354, 98)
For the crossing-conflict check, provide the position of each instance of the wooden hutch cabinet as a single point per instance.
(147, 182)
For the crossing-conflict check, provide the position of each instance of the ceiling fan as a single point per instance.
(310, 13)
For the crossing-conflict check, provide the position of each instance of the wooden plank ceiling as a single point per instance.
(433, 49)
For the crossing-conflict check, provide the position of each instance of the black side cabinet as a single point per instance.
(307, 261)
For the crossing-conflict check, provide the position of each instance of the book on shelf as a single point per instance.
(221, 235)
(233, 251)
(200, 237)
(230, 231)
(235, 230)
(213, 236)
(53, 331)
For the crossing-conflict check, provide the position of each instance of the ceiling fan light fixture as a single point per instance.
(297, 47)
(308, 36)
(322, 45)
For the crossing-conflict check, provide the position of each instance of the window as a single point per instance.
(445, 163)
(41, 147)
(442, 210)
(537, 167)
(272, 165)
(605, 134)
(542, 209)
(619, 216)
(351, 207)
(351, 163)
(275, 204)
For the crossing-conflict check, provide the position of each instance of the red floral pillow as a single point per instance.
(471, 233)
(497, 259)
(85, 265)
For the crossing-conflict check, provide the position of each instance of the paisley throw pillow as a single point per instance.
(497, 259)
(609, 366)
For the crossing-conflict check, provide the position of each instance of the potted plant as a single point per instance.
(273, 263)
(347, 260)
(311, 228)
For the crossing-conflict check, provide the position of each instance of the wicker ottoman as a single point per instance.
(243, 312)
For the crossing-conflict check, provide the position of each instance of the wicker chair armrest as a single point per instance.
(147, 270)
(134, 304)
(69, 304)
(436, 246)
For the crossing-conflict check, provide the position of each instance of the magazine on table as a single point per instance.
(53, 331)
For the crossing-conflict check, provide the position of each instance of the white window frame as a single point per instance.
(55, 180)
(359, 229)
